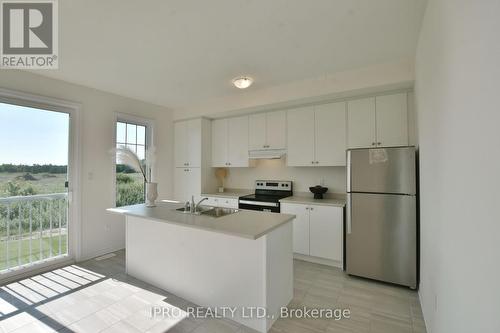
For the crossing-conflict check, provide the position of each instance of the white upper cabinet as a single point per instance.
(219, 143)
(180, 143)
(187, 138)
(230, 142)
(267, 130)
(193, 150)
(300, 137)
(276, 130)
(361, 128)
(316, 135)
(257, 129)
(237, 145)
(380, 121)
(392, 120)
(330, 134)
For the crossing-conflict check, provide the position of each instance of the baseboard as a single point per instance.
(99, 253)
(317, 260)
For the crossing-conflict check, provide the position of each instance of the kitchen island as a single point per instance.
(242, 261)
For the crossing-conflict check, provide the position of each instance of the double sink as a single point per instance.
(209, 211)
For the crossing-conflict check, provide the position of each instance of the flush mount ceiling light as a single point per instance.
(242, 82)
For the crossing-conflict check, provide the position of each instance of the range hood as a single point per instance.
(267, 154)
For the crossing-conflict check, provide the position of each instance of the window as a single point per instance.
(130, 186)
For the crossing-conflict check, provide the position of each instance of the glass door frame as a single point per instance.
(73, 173)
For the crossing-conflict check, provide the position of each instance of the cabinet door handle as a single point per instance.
(307, 208)
(312, 208)
(379, 143)
(373, 143)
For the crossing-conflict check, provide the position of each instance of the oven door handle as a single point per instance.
(260, 203)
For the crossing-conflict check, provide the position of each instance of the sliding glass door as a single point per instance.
(34, 155)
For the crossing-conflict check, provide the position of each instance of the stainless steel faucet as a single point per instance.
(198, 204)
(193, 208)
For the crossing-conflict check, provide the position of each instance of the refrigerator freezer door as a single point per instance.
(381, 170)
(381, 237)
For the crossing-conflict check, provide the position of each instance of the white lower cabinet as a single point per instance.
(221, 202)
(300, 226)
(317, 230)
(187, 183)
(325, 232)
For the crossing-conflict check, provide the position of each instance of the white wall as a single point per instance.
(101, 232)
(457, 97)
(302, 177)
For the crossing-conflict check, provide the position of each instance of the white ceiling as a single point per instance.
(181, 52)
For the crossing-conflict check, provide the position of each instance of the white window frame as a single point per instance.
(74, 175)
(135, 120)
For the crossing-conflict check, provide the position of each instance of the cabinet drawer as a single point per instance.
(222, 202)
(228, 203)
(212, 201)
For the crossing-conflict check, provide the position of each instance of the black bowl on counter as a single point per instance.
(318, 191)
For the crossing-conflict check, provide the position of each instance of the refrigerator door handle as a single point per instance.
(348, 214)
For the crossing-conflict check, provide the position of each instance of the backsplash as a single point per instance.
(302, 177)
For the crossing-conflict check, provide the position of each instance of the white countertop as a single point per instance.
(312, 201)
(231, 194)
(244, 223)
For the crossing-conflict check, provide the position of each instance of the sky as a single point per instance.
(33, 136)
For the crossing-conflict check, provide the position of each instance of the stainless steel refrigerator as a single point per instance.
(381, 217)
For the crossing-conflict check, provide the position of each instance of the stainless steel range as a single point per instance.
(267, 195)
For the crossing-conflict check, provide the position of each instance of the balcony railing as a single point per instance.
(32, 229)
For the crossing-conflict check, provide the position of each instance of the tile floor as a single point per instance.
(97, 296)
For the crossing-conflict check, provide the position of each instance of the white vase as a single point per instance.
(151, 194)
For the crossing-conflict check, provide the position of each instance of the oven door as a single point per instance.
(273, 207)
